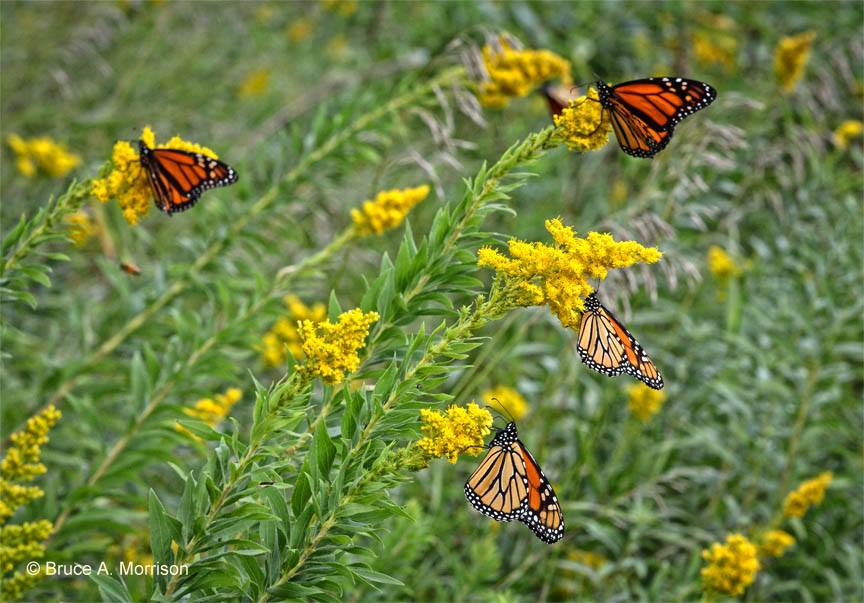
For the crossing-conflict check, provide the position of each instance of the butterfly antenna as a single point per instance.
(503, 408)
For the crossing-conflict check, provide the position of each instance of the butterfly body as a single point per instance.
(607, 347)
(509, 484)
(177, 178)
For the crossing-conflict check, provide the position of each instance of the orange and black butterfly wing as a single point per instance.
(179, 177)
(543, 512)
(606, 346)
(635, 137)
(499, 486)
(644, 112)
(662, 102)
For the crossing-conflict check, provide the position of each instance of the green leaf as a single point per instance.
(325, 450)
(111, 589)
(160, 532)
(301, 494)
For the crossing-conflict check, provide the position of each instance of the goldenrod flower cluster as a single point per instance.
(22, 542)
(731, 567)
(299, 29)
(643, 401)
(255, 84)
(387, 209)
(716, 43)
(808, 494)
(42, 153)
(790, 58)
(849, 129)
(346, 8)
(583, 124)
(458, 430)
(507, 398)
(775, 542)
(211, 410)
(22, 463)
(536, 273)
(127, 182)
(721, 264)
(515, 73)
(331, 349)
(81, 227)
(284, 336)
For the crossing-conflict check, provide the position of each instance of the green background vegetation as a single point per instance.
(763, 372)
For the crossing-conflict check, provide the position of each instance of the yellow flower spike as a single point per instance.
(845, 132)
(790, 58)
(22, 463)
(644, 402)
(715, 47)
(810, 493)
(774, 543)
(515, 73)
(331, 349)
(211, 410)
(387, 210)
(583, 124)
(284, 335)
(510, 399)
(536, 273)
(127, 182)
(731, 567)
(42, 154)
(459, 430)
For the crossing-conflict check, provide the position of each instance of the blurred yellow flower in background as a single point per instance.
(336, 47)
(42, 154)
(508, 398)
(81, 227)
(808, 494)
(387, 210)
(845, 132)
(583, 123)
(536, 273)
(721, 264)
(731, 567)
(211, 410)
(331, 349)
(643, 401)
(255, 84)
(127, 182)
(284, 336)
(716, 42)
(299, 29)
(458, 430)
(775, 542)
(587, 558)
(346, 8)
(790, 58)
(515, 73)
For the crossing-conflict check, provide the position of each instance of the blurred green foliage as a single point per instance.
(763, 370)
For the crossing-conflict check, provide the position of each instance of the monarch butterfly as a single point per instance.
(509, 484)
(178, 178)
(607, 347)
(643, 112)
